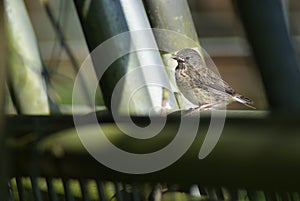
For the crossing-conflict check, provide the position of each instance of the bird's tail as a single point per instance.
(244, 100)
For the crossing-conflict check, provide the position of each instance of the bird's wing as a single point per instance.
(204, 77)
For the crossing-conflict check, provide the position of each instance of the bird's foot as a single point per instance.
(198, 109)
(204, 107)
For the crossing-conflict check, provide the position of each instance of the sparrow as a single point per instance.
(201, 85)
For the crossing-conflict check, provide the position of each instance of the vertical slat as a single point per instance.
(118, 192)
(20, 188)
(51, 191)
(35, 189)
(295, 196)
(67, 191)
(270, 196)
(156, 193)
(100, 190)
(256, 195)
(195, 191)
(135, 192)
(286, 196)
(233, 194)
(83, 188)
(211, 193)
(10, 192)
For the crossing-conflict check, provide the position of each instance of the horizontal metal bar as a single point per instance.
(256, 150)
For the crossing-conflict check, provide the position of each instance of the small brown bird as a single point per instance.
(201, 85)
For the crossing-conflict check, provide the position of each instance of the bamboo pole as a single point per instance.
(175, 16)
(137, 20)
(26, 82)
(103, 20)
(174, 30)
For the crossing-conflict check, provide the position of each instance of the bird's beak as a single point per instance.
(177, 58)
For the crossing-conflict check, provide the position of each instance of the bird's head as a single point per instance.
(188, 56)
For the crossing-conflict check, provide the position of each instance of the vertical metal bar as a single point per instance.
(285, 196)
(233, 194)
(256, 195)
(100, 190)
(67, 191)
(119, 196)
(273, 52)
(84, 191)
(35, 189)
(135, 192)
(195, 191)
(211, 193)
(270, 196)
(51, 191)
(10, 192)
(20, 188)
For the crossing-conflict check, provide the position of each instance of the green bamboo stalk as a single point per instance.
(174, 16)
(25, 65)
(102, 20)
(137, 19)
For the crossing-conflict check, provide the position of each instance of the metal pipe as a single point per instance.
(273, 51)
(252, 153)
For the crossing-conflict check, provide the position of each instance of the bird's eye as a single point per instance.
(187, 58)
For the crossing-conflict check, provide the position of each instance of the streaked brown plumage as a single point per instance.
(202, 86)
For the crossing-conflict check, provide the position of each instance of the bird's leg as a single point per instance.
(207, 106)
